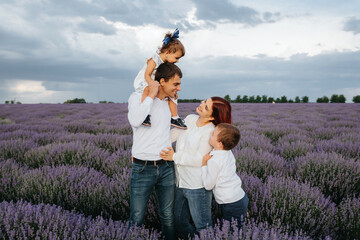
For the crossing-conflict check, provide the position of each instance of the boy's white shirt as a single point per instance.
(220, 176)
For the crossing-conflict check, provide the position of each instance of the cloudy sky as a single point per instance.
(51, 51)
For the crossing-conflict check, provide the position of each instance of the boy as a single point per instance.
(219, 173)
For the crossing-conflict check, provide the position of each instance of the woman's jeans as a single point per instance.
(143, 179)
(192, 204)
(236, 210)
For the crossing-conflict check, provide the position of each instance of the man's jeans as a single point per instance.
(195, 204)
(143, 179)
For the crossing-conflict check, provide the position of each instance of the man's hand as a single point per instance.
(167, 154)
(153, 88)
(206, 159)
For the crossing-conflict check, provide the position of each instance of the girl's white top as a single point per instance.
(192, 144)
(140, 82)
(220, 175)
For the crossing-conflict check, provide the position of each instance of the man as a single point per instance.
(149, 170)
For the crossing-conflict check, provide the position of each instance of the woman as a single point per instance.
(192, 200)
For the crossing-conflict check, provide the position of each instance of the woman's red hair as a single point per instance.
(221, 111)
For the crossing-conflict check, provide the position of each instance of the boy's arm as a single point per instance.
(149, 70)
(210, 173)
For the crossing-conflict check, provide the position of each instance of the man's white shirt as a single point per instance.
(148, 142)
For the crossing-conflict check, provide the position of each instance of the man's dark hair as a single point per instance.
(229, 135)
(166, 71)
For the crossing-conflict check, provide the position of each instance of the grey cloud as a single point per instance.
(95, 25)
(352, 25)
(223, 10)
(301, 75)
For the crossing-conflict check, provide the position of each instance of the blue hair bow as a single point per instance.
(175, 34)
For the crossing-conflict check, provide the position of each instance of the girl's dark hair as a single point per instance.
(173, 46)
(221, 111)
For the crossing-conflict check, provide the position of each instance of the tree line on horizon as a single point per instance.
(335, 98)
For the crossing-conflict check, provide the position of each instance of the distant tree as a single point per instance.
(258, 99)
(7, 102)
(238, 99)
(334, 98)
(291, 101)
(12, 102)
(252, 99)
(227, 97)
(271, 99)
(76, 100)
(297, 99)
(323, 99)
(245, 99)
(18, 102)
(102, 101)
(277, 100)
(356, 99)
(264, 99)
(283, 99)
(305, 99)
(341, 99)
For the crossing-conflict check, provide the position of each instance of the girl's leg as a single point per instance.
(173, 108)
(147, 121)
(145, 94)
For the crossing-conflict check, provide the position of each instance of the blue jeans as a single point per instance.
(143, 179)
(236, 210)
(195, 204)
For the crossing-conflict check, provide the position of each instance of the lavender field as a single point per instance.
(65, 172)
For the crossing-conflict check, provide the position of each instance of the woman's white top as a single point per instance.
(140, 82)
(192, 144)
(220, 175)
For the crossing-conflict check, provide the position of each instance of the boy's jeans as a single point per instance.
(143, 179)
(235, 210)
(195, 204)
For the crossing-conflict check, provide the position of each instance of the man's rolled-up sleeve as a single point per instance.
(138, 110)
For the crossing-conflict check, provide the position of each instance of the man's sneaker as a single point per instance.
(147, 121)
(179, 123)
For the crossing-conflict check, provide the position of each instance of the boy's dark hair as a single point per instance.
(172, 46)
(167, 70)
(229, 135)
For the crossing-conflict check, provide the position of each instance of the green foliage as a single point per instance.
(305, 99)
(227, 97)
(323, 99)
(337, 98)
(297, 99)
(283, 99)
(76, 100)
(356, 99)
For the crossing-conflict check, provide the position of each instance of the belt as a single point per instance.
(151, 163)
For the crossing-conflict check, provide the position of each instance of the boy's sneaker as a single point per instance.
(147, 121)
(179, 123)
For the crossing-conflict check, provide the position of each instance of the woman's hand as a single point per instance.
(167, 154)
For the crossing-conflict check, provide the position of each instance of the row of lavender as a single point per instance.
(311, 151)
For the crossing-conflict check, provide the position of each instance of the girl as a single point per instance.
(171, 51)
